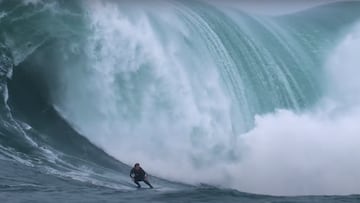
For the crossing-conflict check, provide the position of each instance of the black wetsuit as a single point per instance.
(139, 175)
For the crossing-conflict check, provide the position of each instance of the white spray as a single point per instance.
(144, 97)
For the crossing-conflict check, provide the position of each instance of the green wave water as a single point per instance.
(252, 101)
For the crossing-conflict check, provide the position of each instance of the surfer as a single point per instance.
(138, 174)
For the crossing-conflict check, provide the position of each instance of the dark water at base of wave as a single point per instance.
(28, 185)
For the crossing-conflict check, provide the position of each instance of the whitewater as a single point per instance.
(217, 102)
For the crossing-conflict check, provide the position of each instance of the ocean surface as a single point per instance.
(218, 103)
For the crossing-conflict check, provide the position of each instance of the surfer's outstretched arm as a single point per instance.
(132, 174)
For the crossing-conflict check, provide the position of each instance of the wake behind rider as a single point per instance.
(138, 174)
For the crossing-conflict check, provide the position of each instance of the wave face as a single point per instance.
(196, 92)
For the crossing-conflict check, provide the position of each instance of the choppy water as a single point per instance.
(217, 103)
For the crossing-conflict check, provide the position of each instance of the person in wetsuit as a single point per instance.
(138, 174)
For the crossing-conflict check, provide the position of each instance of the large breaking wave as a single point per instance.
(196, 93)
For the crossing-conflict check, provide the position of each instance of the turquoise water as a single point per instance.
(217, 103)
